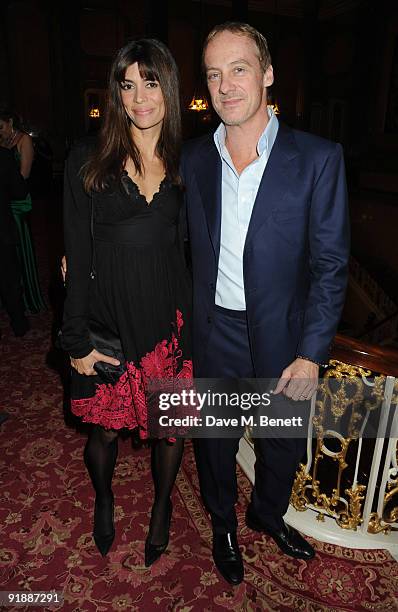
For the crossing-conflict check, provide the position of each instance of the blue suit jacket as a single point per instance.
(295, 260)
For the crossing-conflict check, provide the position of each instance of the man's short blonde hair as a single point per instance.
(244, 29)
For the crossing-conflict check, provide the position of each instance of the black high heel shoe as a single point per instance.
(154, 551)
(103, 541)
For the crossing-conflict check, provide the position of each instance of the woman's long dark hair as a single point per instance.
(115, 143)
(7, 113)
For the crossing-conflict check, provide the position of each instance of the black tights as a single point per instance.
(165, 463)
(100, 456)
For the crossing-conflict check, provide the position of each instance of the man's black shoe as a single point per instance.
(227, 557)
(287, 538)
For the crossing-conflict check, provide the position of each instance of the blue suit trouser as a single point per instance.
(228, 356)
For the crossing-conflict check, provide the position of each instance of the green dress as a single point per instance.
(33, 298)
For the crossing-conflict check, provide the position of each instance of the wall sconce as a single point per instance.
(198, 104)
(275, 108)
(94, 113)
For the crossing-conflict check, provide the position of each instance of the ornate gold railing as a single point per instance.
(351, 474)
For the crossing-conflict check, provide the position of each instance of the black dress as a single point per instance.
(141, 292)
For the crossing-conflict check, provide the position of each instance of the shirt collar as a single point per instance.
(265, 142)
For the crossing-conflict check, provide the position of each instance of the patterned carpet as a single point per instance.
(46, 507)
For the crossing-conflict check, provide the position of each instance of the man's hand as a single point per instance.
(299, 381)
(85, 364)
(63, 268)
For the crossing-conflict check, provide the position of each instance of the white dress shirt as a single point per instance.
(238, 194)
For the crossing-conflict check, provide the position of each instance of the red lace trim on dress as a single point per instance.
(127, 403)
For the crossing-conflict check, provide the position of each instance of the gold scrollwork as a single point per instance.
(392, 490)
(348, 393)
(376, 526)
(352, 517)
(336, 399)
(349, 389)
(377, 395)
(339, 369)
(384, 523)
(347, 516)
(394, 399)
(298, 497)
(346, 513)
(390, 515)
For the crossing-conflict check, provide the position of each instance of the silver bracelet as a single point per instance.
(321, 365)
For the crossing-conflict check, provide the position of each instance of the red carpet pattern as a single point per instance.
(46, 505)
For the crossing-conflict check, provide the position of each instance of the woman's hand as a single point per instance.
(84, 365)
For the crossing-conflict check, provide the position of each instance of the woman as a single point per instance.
(15, 138)
(141, 289)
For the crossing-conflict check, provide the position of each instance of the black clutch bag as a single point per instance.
(107, 343)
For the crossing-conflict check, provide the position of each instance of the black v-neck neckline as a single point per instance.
(162, 183)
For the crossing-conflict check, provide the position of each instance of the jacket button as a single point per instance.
(209, 319)
(211, 285)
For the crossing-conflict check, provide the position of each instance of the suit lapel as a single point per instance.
(281, 170)
(208, 174)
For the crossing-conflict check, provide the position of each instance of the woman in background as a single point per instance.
(139, 287)
(13, 137)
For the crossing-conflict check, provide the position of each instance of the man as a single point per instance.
(268, 225)
(12, 187)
